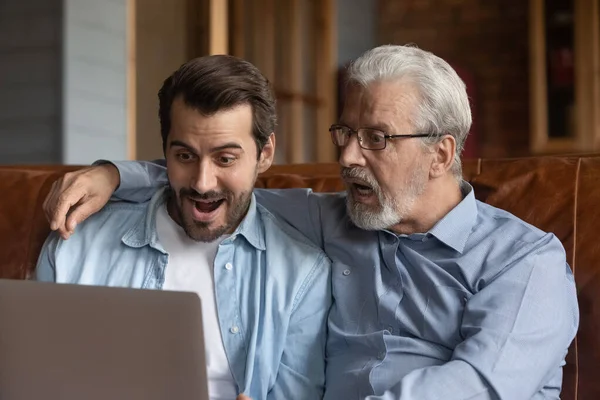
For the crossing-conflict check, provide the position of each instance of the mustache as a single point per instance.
(206, 196)
(358, 173)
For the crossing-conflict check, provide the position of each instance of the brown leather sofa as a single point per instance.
(557, 194)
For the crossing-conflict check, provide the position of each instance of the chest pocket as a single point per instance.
(443, 315)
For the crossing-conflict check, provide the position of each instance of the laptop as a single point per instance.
(73, 342)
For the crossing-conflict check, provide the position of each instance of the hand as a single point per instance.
(77, 195)
(243, 397)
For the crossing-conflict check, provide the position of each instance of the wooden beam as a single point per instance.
(198, 28)
(586, 67)
(131, 81)
(263, 42)
(326, 76)
(537, 77)
(295, 131)
(218, 37)
(238, 28)
(596, 72)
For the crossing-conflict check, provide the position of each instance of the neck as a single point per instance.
(438, 199)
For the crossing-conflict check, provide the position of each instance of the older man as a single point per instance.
(436, 295)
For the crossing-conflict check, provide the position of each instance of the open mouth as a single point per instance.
(361, 189)
(206, 211)
(205, 206)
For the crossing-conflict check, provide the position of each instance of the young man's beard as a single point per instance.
(201, 231)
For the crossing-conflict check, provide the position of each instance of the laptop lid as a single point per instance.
(73, 342)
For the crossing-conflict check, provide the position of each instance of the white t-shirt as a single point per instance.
(190, 268)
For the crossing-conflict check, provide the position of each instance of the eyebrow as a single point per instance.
(225, 146)
(380, 127)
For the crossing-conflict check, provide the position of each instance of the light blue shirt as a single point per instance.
(278, 296)
(483, 306)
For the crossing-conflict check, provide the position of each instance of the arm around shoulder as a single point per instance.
(139, 180)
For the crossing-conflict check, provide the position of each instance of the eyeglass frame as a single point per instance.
(385, 136)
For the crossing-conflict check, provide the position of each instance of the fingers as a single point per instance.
(243, 397)
(69, 197)
(56, 221)
(47, 201)
(77, 195)
(80, 212)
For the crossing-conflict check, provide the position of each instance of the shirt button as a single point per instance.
(234, 329)
(346, 272)
(228, 266)
(381, 355)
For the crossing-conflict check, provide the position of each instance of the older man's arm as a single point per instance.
(517, 332)
(80, 194)
(139, 180)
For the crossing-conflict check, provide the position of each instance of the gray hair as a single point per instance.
(444, 108)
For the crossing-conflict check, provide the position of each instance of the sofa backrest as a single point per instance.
(556, 194)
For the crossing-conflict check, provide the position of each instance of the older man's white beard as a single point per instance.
(390, 211)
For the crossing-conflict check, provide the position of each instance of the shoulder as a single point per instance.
(506, 241)
(107, 225)
(498, 221)
(281, 235)
(116, 215)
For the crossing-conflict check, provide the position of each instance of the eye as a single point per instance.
(185, 157)
(375, 137)
(226, 160)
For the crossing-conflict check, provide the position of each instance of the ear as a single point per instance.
(443, 156)
(267, 154)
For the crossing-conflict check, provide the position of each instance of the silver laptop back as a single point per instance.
(73, 342)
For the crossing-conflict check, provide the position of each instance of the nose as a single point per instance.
(205, 178)
(351, 155)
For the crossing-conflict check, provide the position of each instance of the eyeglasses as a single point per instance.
(368, 138)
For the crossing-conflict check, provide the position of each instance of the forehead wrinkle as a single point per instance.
(386, 105)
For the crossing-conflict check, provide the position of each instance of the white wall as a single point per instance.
(30, 75)
(94, 67)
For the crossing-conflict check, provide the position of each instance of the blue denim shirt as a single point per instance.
(482, 306)
(278, 295)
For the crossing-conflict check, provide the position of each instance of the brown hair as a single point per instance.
(216, 83)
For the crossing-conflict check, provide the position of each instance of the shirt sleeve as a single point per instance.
(517, 331)
(45, 270)
(300, 208)
(301, 372)
(139, 180)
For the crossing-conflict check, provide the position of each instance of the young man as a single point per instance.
(265, 289)
(437, 295)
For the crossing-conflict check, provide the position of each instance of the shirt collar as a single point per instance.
(456, 226)
(251, 227)
(144, 233)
